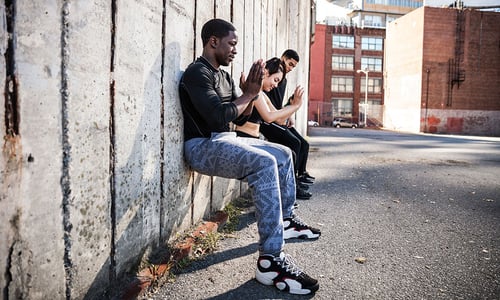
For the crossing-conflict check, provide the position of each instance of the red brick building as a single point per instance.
(336, 88)
(442, 70)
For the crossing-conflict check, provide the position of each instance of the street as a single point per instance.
(403, 216)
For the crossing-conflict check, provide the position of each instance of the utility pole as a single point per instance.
(365, 71)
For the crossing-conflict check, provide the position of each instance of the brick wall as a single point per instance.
(444, 64)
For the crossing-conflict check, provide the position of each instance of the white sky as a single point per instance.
(325, 8)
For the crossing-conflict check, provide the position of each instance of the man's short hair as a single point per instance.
(290, 53)
(215, 27)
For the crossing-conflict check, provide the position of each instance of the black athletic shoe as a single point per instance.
(304, 180)
(307, 175)
(302, 194)
(303, 186)
(282, 272)
(295, 228)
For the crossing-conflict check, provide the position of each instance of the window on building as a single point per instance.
(372, 43)
(371, 63)
(342, 107)
(389, 19)
(343, 41)
(342, 84)
(375, 111)
(342, 62)
(399, 3)
(373, 21)
(374, 85)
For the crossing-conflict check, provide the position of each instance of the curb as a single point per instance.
(180, 250)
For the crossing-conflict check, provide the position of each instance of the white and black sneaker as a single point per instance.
(282, 272)
(295, 228)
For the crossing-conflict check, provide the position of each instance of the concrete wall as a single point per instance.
(403, 71)
(458, 121)
(92, 172)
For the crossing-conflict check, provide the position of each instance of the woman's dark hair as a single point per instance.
(275, 65)
(215, 27)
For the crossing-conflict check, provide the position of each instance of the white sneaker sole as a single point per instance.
(265, 278)
(303, 234)
(293, 286)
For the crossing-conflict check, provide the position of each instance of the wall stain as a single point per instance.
(162, 118)
(112, 139)
(19, 263)
(65, 180)
(11, 83)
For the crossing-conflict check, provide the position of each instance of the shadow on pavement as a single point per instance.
(244, 291)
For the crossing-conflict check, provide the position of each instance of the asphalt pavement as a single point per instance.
(403, 216)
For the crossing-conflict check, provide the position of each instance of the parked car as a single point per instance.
(312, 123)
(341, 122)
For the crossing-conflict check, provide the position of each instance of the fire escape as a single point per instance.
(456, 73)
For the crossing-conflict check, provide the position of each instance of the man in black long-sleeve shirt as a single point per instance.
(209, 102)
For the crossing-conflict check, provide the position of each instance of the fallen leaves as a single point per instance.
(360, 260)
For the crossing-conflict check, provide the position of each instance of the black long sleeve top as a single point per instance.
(206, 96)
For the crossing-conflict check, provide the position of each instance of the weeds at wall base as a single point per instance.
(202, 240)
(194, 245)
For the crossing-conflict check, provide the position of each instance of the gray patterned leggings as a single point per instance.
(268, 169)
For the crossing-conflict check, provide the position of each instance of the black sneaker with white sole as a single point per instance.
(302, 194)
(304, 180)
(295, 228)
(301, 185)
(307, 175)
(282, 272)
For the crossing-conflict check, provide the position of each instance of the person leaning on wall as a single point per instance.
(209, 103)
